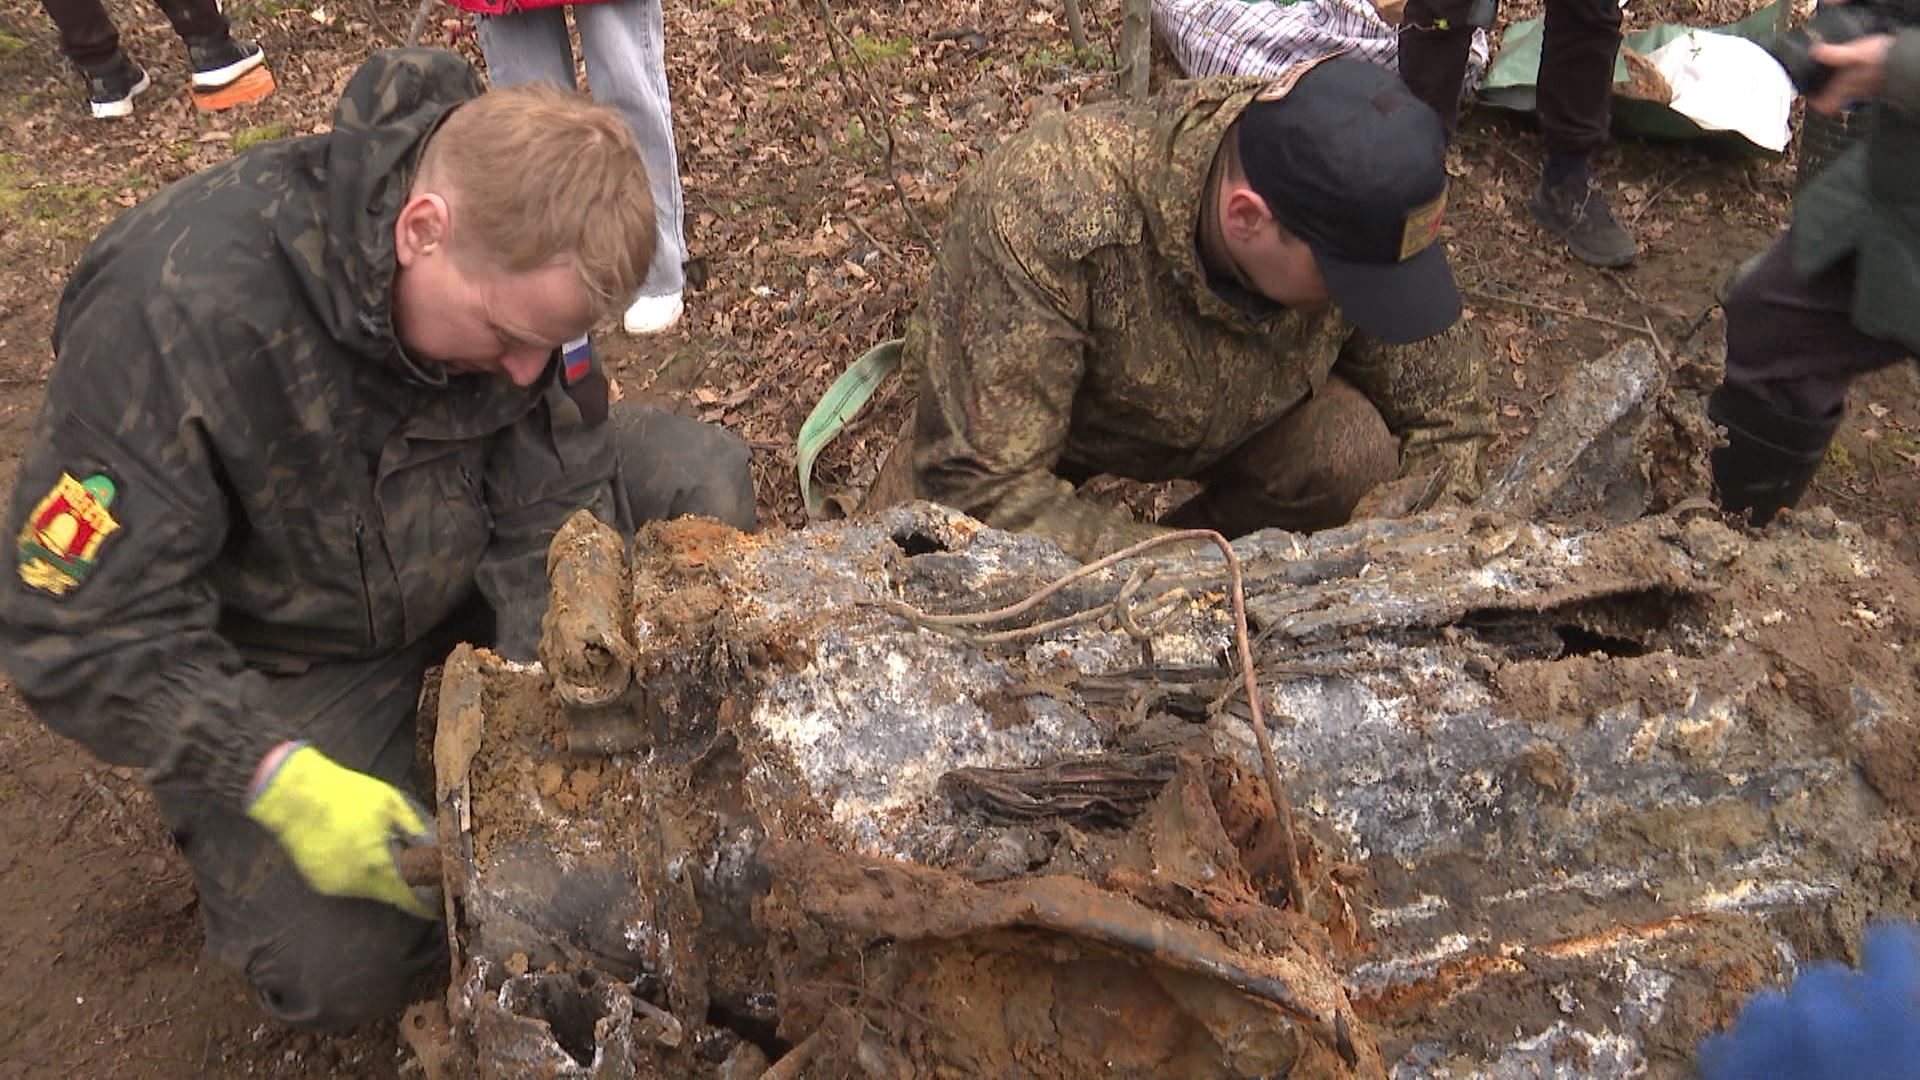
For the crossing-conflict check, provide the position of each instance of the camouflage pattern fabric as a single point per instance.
(237, 473)
(1069, 326)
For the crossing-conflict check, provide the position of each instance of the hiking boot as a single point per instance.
(1578, 212)
(110, 92)
(219, 61)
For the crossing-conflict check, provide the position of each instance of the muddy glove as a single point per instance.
(340, 827)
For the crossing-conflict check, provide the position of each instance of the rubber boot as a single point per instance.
(1770, 457)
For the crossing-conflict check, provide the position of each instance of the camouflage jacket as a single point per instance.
(1866, 206)
(1068, 320)
(236, 471)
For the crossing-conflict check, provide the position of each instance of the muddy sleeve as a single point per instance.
(108, 618)
(1903, 73)
(1001, 342)
(558, 459)
(1433, 397)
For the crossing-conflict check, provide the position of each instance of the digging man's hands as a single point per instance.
(340, 827)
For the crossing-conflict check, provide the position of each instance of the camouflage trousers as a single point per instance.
(1304, 472)
(328, 963)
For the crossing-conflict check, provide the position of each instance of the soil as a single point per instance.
(799, 175)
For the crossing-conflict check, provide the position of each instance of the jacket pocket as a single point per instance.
(438, 526)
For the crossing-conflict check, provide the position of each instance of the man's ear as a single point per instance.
(1245, 214)
(424, 226)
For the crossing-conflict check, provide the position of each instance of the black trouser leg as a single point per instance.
(1433, 60)
(672, 465)
(319, 962)
(87, 34)
(1578, 47)
(195, 20)
(1792, 353)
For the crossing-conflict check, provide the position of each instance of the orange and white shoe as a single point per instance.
(217, 62)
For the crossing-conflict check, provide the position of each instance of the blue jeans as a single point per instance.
(624, 42)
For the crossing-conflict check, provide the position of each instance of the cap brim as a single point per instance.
(1398, 303)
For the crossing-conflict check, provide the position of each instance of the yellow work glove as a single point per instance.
(341, 827)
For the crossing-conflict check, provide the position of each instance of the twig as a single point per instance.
(1136, 43)
(1666, 358)
(24, 782)
(1655, 197)
(419, 24)
(899, 1006)
(1565, 313)
(373, 13)
(1296, 888)
(72, 816)
(1525, 165)
(1076, 26)
(880, 245)
(115, 805)
(834, 36)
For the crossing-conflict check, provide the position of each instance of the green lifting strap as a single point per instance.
(841, 403)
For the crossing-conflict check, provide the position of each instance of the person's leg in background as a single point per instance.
(316, 962)
(672, 465)
(1792, 353)
(1434, 42)
(89, 39)
(528, 46)
(1304, 472)
(217, 58)
(625, 46)
(1578, 50)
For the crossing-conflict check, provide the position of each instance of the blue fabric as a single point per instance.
(1833, 1023)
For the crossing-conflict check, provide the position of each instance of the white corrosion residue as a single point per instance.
(1765, 895)
(1426, 907)
(879, 717)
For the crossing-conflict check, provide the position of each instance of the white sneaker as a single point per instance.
(653, 314)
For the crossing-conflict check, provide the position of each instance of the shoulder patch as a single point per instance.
(576, 358)
(584, 381)
(61, 538)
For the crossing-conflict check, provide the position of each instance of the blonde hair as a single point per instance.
(539, 176)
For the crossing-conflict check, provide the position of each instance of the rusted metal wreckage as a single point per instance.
(1573, 771)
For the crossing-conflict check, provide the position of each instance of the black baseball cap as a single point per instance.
(1353, 164)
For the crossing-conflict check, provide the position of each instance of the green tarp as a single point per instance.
(1510, 80)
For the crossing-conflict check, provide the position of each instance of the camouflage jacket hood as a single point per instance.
(1068, 321)
(275, 487)
(339, 243)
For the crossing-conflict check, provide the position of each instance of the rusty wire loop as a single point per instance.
(953, 625)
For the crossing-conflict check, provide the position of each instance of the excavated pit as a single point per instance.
(1565, 792)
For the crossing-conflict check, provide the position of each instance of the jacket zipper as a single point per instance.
(366, 586)
(479, 496)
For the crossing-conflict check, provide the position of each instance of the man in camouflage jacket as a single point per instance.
(1136, 289)
(254, 509)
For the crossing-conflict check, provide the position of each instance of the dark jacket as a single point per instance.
(1068, 321)
(237, 471)
(1866, 205)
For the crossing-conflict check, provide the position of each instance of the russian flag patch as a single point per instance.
(576, 359)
